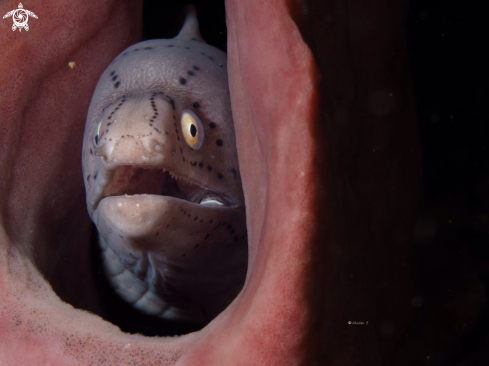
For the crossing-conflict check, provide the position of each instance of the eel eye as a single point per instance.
(97, 136)
(192, 128)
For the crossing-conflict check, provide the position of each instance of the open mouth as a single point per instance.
(131, 180)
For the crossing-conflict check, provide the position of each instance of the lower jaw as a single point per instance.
(329, 211)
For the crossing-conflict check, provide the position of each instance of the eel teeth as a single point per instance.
(180, 178)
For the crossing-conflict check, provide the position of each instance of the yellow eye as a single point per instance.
(192, 128)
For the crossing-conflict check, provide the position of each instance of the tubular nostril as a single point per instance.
(101, 151)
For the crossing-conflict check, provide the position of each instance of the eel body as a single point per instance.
(162, 178)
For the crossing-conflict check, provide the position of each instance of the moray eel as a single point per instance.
(162, 179)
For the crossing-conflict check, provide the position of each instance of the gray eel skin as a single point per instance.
(162, 178)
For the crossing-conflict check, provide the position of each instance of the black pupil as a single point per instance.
(193, 130)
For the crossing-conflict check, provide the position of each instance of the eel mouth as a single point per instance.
(129, 180)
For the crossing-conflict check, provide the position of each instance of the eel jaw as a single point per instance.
(131, 180)
(164, 238)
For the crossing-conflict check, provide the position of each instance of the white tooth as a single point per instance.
(210, 201)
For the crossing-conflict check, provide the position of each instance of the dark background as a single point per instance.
(448, 55)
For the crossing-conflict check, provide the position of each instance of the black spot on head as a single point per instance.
(196, 68)
(91, 151)
(193, 39)
(207, 235)
(148, 48)
(112, 73)
(196, 246)
(201, 165)
(196, 105)
(219, 142)
(88, 178)
(211, 221)
(187, 48)
(234, 172)
(193, 163)
(184, 255)
(191, 73)
(136, 49)
(157, 233)
(182, 81)
(210, 58)
(114, 78)
(195, 218)
(183, 159)
(117, 84)
(181, 151)
(220, 176)
(212, 125)
(209, 168)
(229, 226)
(125, 53)
(95, 176)
(202, 53)
(170, 45)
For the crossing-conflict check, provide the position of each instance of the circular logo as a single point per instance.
(20, 18)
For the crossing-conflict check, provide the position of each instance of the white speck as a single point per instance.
(137, 204)
(157, 147)
(127, 346)
(119, 204)
(302, 173)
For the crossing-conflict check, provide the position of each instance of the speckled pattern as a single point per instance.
(170, 216)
